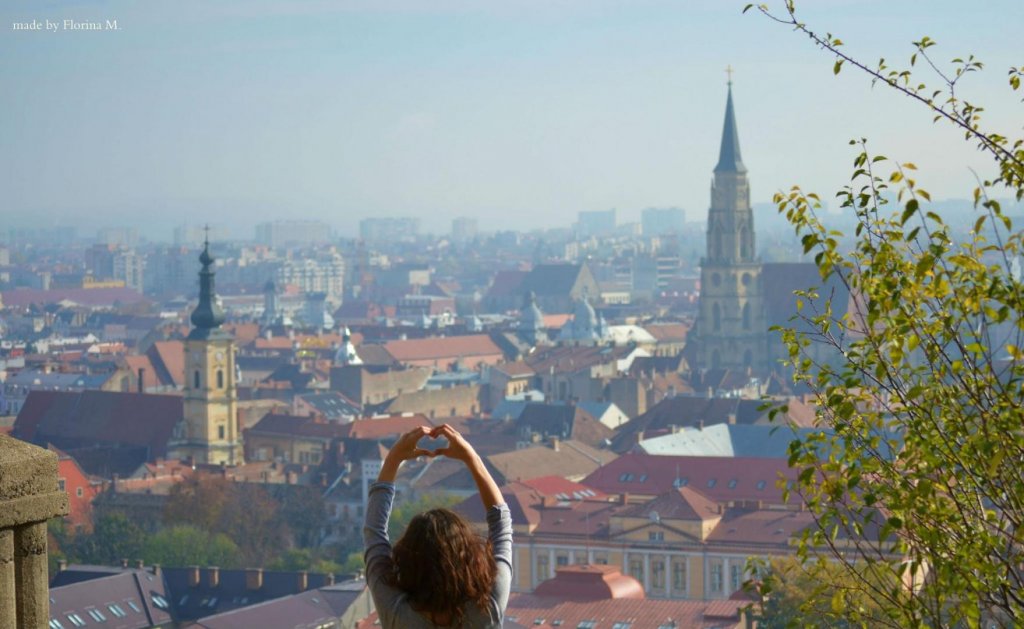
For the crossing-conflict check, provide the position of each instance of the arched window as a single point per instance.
(195, 379)
(716, 317)
(746, 316)
(748, 358)
(220, 378)
(745, 252)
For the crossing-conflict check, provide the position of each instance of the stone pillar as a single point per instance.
(28, 498)
(30, 575)
(8, 607)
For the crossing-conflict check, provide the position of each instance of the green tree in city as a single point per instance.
(114, 537)
(185, 545)
(930, 368)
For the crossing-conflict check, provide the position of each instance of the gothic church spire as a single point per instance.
(729, 159)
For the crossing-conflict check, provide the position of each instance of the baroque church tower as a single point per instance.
(731, 322)
(209, 430)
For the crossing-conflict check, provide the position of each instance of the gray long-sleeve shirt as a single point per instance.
(392, 604)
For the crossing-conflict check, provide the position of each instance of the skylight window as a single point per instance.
(160, 602)
(622, 625)
(134, 607)
(712, 481)
(680, 482)
(96, 614)
(55, 624)
(117, 610)
(625, 477)
(643, 478)
(761, 484)
(732, 483)
(587, 624)
(75, 620)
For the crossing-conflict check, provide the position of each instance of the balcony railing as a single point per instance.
(28, 498)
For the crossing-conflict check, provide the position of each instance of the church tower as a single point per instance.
(209, 430)
(731, 329)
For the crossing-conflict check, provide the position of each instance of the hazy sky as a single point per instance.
(521, 112)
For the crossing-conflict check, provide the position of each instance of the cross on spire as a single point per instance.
(206, 235)
(728, 72)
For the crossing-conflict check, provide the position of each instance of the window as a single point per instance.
(761, 484)
(79, 492)
(134, 607)
(715, 576)
(658, 574)
(680, 482)
(220, 432)
(622, 625)
(711, 482)
(746, 316)
(55, 624)
(642, 479)
(679, 575)
(716, 317)
(656, 536)
(587, 624)
(61, 484)
(75, 620)
(562, 560)
(220, 378)
(160, 602)
(116, 610)
(542, 567)
(625, 477)
(636, 569)
(601, 559)
(96, 614)
(735, 577)
(732, 483)
(195, 379)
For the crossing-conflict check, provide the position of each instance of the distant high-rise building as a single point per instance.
(464, 229)
(293, 233)
(315, 276)
(128, 267)
(657, 221)
(389, 228)
(595, 223)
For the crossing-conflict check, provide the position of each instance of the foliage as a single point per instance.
(185, 545)
(353, 563)
(305, 513)
(784, 586)
(405, 511)
(114, 537)
(305, 559)
(244, 512)
(931, 351)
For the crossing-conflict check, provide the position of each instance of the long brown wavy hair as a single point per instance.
(442, 565)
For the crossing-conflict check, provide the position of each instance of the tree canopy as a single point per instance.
(932, 353)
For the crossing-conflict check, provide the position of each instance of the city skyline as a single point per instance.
(520, 116)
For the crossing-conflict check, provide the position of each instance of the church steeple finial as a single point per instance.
(729, 159)
(207, 314)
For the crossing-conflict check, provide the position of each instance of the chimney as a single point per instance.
(323, 479)
(624, 498)
(301, 581)
(700, 424)
(639, 436)
(213, 576)
(673, 429)
(292, 477)
(732, 418)
(139, 565)
(62, 565)
(155, 569)
(711, 392)
(124, 563)
(554, 443)
(254, 578)
(142, 388)
(671, 390)
(193, 576)
(328, 579)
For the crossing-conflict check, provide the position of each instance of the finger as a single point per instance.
(422, 452)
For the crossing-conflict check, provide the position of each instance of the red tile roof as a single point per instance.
(170, 355)
(77, 419)
(442, 348)
(723, 479)
(555, 485)
(542, 611)
(678, 504)
(384, 427)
